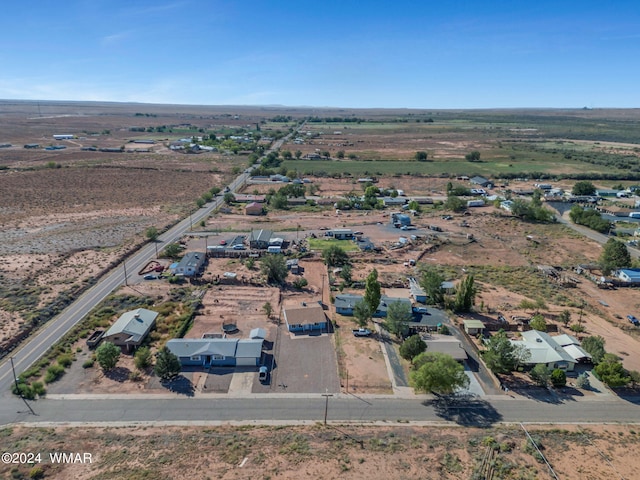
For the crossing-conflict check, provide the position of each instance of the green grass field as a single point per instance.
(320, 244)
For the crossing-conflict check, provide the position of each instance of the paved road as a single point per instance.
(342, 407)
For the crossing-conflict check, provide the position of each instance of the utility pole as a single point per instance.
(124, 265)
(326, 404)
(15, 379)
(155, 244)
(322, 288)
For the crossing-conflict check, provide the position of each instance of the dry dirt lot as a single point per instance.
(340, 451)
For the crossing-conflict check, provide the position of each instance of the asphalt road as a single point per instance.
(342, 407)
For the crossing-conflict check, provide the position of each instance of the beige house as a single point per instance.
(131, 328)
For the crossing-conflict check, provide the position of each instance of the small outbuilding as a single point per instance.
(253, 208)
(473, 327)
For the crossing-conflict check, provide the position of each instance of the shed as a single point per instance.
(258, 333)
(483, 182)
(629, 275)
(473, 327)
(253, 208)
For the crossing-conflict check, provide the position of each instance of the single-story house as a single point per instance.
(217, 352)
(629, 275)
(259, 239)
(483, 182)
(544, 349)
(473, 327)
(307, 318)
(253, 208)
(345, 302)
(446, 344)
(393, 201)
(131, 328)
(190, 265)
(422, 200)
(342, 233)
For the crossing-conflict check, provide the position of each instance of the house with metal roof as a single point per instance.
(483, 182)
(385, 301)
(547, 350)
(259, 239)
(190, 265)
(417, 292)
(131, 328)
(217, 352)
(345, 303)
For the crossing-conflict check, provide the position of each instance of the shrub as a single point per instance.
(142, 358)
(583, 381)
(558, 378)
(88, 363)
(65, 360)
(54, 372)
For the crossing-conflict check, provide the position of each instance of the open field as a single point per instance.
(333, 451)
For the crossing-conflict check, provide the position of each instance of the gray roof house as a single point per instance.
(217, 352)
(549, 350)
(259, 239)
(345, 302)
(131, 328)
(190, 265)
(483, 182)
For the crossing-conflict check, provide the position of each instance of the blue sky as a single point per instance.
(413, 54)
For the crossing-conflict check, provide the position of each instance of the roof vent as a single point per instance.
(539, 340)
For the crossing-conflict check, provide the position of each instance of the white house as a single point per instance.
(549, 350)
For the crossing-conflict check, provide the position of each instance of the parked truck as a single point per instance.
(362, 332)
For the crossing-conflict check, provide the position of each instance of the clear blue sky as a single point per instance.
(414, 54)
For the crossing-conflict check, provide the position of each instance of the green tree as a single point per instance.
(274, 267)
(142, 358)
(500, 355)
(267, 309)
(172, 250)
(538, 323)
(167, 365)
(229, 198)
(362, 313)
(611, 371)
(431, 282)
(465, 295)
(372, 292)
(412, 347)
(107, 355)
(594, 346)
(583, 187)
(565, 317)
(298, 154)
(346, 273)
(420, 156)
(438, 373)
(335, 256)
(151, 233)
(286, 154)
(455, 204)
(340, 154)
(473, 156)
(540, 374)
(398, 316)
(558, 378)
(614, 255)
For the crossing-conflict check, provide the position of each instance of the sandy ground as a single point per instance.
(328, 452)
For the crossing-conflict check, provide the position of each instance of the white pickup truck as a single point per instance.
(362, 332)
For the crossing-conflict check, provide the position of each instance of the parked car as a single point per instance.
(421, 310)
(150, 276)
(362, 332)
(633, 320)
(358, 233)
(239, 247)
(223, 242)
(407, 227)
(263, 374)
